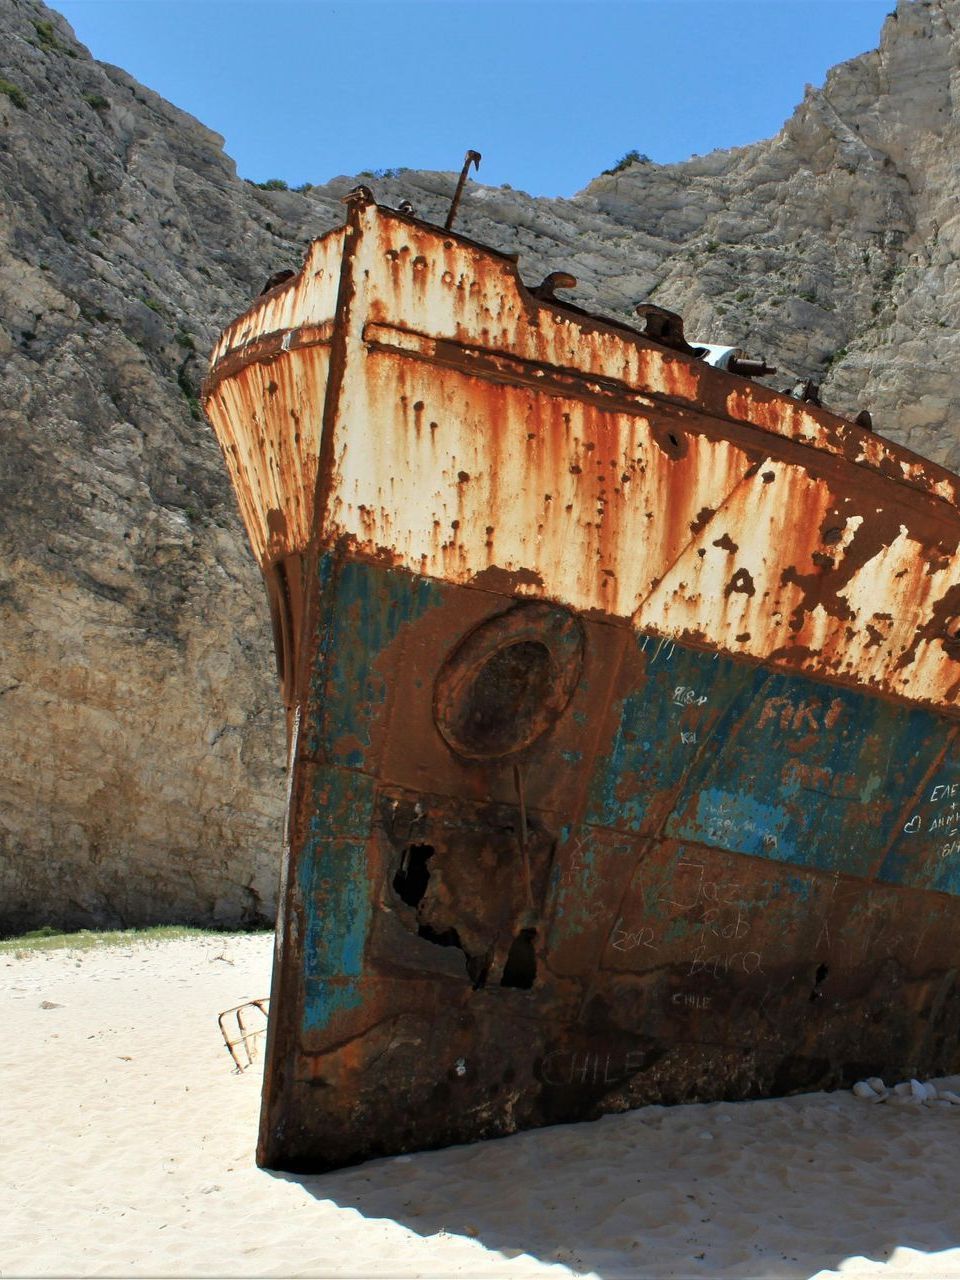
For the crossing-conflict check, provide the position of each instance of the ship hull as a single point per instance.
(731, 893)
(621, 707)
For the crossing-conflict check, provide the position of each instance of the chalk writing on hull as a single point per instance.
(701, 890)
(688, 1000)
(567, 1067)
(664, 647)
(948, 823)
(624, 940)
(713, 910)
(710, 922)
(944, 822)
(720, 964)
(683, 696)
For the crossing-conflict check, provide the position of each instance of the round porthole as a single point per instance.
(509, 681)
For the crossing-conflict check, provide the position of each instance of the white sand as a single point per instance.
(126, 1149)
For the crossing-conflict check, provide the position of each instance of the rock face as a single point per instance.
(141, 736)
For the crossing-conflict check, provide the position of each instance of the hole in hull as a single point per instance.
(410, 882)
(521, 967)
(818, 979)
(477, 966)
(440, 937)
(410, 885)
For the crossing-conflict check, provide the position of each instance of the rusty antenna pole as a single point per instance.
(471, 158)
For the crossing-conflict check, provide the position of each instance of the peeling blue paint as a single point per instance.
(739, 822)
(798, 889)
(770, 765)
(326, 997)
(362, 610)
(594, 861)
(925, 853)
(335, 893)
(788, 779)
(342, 803)
(664, 726)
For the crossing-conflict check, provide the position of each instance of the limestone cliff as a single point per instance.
(141, 743)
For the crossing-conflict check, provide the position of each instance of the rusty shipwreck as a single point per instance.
(622, 711)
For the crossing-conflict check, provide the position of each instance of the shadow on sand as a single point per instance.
(780, 1188)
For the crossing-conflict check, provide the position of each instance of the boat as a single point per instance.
(621, 697)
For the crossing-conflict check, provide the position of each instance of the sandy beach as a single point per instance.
(127, 1150)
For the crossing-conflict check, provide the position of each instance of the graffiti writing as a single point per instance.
(624, 940)
(802, 717)
(566, 1067)
(948, 822)
(719, 964)
(710, 923)
(714, 910)
(687, 1000)
(722, 828)
(695, 890)
(944, 823)
(684, 696)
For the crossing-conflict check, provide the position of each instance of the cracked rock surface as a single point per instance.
(141, 732)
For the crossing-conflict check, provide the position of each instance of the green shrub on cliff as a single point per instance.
(16, 95)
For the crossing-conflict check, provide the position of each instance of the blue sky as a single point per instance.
(550, 91)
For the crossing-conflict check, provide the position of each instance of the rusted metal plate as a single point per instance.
(621, 697)
(265, 397)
